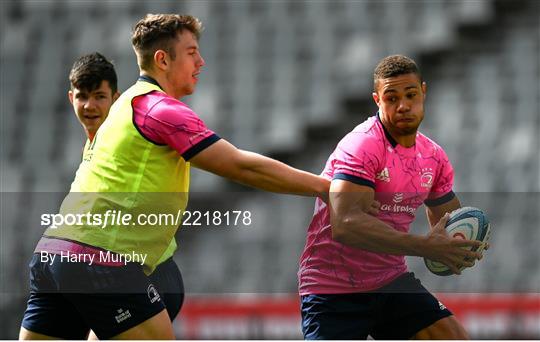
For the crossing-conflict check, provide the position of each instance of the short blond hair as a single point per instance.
(158, 32)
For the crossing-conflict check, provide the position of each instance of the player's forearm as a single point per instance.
(435, 213)
(369, 233)
(271, 175)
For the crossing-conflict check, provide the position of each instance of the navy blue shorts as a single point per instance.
(68, 299)
(170, 285)
(396, 311)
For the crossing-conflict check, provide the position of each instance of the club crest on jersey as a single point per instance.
(384, 175)
(426, 180)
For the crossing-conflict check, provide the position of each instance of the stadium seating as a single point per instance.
(276, 71)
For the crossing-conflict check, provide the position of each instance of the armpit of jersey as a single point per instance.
(165, 120)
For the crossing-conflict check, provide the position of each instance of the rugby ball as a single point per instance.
(466, 223)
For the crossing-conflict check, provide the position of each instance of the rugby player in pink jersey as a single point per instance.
(353, 280)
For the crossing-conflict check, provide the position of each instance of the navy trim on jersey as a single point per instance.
(441, 200)
(201, 145)
(354, 179)
(146, 78)
(391, 140)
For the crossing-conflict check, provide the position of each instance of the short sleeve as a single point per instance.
(170, 122)
(357, 159)
(441, 191)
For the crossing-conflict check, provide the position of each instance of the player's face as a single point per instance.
(184, 70)
(92, 108)
(401, 103)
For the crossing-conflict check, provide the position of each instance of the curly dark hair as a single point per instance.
(393, 66)
(90, 70)
(157, 32)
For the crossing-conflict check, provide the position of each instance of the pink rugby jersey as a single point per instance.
(403, 178)
(165, 120)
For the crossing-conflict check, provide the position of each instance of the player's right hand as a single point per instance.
(373, 209)
(449, 251)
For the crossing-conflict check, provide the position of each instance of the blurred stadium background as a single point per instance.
(289, 79)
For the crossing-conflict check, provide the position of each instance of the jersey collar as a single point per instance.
(146, 78)
(390, 139)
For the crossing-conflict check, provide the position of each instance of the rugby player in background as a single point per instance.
(93, 90)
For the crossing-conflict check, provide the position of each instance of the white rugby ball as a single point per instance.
(466, 223)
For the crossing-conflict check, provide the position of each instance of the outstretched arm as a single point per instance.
(224, 159)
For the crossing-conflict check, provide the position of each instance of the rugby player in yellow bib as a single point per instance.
(93, 90)
(138, 163)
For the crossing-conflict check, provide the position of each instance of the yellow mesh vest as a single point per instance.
(123, 173)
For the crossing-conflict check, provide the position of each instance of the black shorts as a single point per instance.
(170, 285)
(396, 311)
(68, 299)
